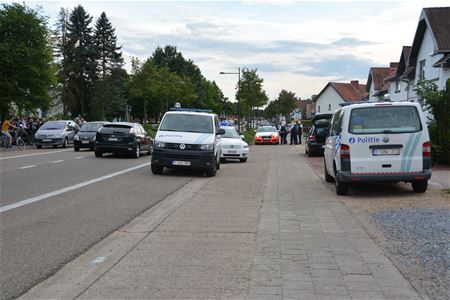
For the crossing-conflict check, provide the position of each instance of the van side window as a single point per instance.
(336, 124)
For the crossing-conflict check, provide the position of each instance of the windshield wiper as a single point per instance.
(388, 131)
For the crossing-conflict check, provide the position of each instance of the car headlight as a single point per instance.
(207, 147)
(76, 138)
(245, 146)
(160, 145)
(94, 138)
(37, 135)
(275, 135)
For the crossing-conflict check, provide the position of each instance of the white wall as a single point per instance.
(372, 91)
(329, 96)
(400, 95)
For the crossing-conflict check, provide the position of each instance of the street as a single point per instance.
(268, 228)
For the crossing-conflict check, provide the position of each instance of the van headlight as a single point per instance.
(207, 147)
(160, 145)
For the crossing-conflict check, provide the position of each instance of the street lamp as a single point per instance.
(238, 95)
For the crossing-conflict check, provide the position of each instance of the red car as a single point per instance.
(267, 135)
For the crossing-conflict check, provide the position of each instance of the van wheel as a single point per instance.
(328, 177)
(341, 187)
(211, 172)
(420, 186)
(157, 169)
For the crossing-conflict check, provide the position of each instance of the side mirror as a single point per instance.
(220, 131)
(242, 136)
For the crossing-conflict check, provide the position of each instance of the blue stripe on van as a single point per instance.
(405, 152)
(411, 152)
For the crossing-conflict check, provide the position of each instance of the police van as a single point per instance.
(188, 138)
(378, 142)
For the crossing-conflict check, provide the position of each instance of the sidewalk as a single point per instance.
(266, 229)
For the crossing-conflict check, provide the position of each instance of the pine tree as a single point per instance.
(60, 42)
(80, 61)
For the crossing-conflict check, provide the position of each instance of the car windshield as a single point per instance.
(53, 126)
(187, 123)
(267, 129)
(384, 119)
(91, 127)
(231, 133)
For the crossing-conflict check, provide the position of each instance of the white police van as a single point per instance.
(378, 142)
(188, 138)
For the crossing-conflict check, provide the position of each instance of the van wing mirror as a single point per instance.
(155, 126)
(220, 131)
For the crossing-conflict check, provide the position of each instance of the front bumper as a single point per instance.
(49, 141)
(171, 158)
(271, 140)
(234, 153)
(346, 176)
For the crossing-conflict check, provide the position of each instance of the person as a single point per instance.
(5, 129)
(300, 131)
(283, 133)
(294, 134)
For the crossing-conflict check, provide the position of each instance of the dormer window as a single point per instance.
(422, 70)
(397, 86)
(329, 107)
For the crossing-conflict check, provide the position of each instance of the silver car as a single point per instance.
(56, 133)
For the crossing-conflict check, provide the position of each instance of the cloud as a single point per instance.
(352, 42)
(344, 66)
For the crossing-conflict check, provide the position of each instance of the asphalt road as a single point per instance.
(80, 199)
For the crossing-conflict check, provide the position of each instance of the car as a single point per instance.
(233, 147)
(85, 138)
(123, 137)
(378, 142)
(267, 135)
(188, 139)
(315, 141)
(56, 133)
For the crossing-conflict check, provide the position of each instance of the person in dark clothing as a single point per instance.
(283, 134)
(300, 131)
(294, 134)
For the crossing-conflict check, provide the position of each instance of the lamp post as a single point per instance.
(238, 95)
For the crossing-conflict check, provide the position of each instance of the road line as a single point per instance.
(41, 153)
(78, 157)
(69, 188)
(27, 167)
(57, 161)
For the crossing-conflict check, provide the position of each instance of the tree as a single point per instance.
(60, 42)
(80, 61)
(287, 102)
(251, 93)
(26, 72)
(108, 99)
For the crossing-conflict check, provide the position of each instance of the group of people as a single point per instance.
(12, 126)
(295, 133)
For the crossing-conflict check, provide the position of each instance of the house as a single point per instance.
(335, 93)
(397, 85)
(376, 87)
(429, 55)
(305, 106)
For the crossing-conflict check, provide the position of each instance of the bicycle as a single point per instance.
(16, 141)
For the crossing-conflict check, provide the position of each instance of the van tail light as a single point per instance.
(426, 149)
(312, 138)
(345, 151)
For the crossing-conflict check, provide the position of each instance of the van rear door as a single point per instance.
(385, 138)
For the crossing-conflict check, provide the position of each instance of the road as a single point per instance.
(80, 199)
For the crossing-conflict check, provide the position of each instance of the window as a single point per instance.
(336, 123)
(422, 70)
(329, 107)
(318, 108)
(397, 86)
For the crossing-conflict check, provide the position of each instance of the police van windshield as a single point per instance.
(187, 123)
(384, 119)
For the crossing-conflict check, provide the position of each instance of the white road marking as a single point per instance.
(78, 157)
(69, 188)
(33, 154)
(57, 161)
(27, 167)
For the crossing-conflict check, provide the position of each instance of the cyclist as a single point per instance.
(5, 129)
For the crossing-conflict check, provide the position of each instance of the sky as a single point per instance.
(298, 46)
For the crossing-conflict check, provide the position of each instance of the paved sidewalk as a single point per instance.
(266, 229)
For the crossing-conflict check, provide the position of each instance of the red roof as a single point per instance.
(349, 91)
(377, 75)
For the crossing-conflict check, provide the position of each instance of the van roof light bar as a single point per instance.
(191, 109)
(351, 103)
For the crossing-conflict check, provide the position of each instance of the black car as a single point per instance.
(317, 134)
(123, 137)
(85, 138)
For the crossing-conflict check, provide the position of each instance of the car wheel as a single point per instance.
(150, 150)
(137, 152)
(222, 160)
(212, 170)
(76, 148)
(242, 159)
(328, 177)
(39, 146)
(98, 154)
(66, 142)
(341, 187)
(218, 164)
(420, 186)
(157, 169)
(306, 149)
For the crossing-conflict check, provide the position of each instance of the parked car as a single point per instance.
(85, 138)
(123, 137)
(267, 135)
(378, 142)
(56, 133)
(233, 147)
(317, 134)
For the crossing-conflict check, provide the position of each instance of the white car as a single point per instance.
(378, 142)
(233, 147)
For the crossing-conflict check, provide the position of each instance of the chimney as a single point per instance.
(355, 84)
(393, 65)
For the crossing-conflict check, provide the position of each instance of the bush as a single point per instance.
(249, 136)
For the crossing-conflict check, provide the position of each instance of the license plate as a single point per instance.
(181, 163)
(392, 151)
(85, 142)
(47, 140)
(232, 152)
(113, 139)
